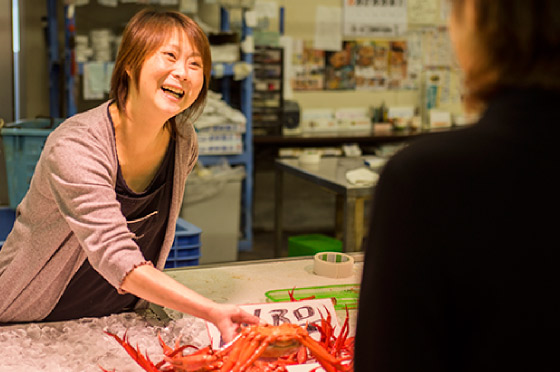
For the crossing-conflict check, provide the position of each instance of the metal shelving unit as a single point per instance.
(246, 157)
(67, 94)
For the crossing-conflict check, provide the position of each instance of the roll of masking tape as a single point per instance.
(333, 264)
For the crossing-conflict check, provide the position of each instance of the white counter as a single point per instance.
(247, 282)
(81, 345)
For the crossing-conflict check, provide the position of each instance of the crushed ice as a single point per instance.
(81, 345)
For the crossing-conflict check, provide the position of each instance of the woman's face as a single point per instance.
(171, 78)
(462, 32)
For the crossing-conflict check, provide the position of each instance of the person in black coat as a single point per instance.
(462, 260)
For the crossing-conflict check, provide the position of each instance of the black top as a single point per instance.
(461, 263)
(88, 294)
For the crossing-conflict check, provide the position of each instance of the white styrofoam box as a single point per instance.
(318, 120)
(351, 113)
(227, 53)
(355, 124)
(400, 112)
(440, 119)
(353, 118)
(223, 128)
(219, 143)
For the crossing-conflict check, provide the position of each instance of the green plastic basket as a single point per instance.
(345, 295)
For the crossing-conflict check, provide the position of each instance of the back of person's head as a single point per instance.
(146, 31)
(516, 43)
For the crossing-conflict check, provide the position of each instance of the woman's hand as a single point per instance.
(229, 318)
(149, 283)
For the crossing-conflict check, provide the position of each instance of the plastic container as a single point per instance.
(185, 250)
(23, 143)
(344, 295)
(216, 188)
(7, 218)
(309, 245)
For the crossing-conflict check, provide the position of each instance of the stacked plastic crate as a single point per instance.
(23, 142)
(220, 128)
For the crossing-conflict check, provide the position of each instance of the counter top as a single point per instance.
(247, 282)
(81, 345)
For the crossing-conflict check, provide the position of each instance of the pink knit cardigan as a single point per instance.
(71, 213)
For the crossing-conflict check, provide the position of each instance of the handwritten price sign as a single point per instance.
(302, 313)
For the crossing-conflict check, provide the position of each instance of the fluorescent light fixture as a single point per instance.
(16, 49)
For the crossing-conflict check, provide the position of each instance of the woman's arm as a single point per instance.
(154, 286)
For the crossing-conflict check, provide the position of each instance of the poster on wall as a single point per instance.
(436, 47)
(398, 64)
(423, 11)
(328, 28)
(308, 66)
(339, 68)
(371, 62)
(373, 18)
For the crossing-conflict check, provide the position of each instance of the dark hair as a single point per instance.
(146, 31)
(518, 45)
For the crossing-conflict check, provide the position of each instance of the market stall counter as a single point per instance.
(82, 345)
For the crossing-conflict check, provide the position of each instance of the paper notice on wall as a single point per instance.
(266, 9)
(423, 11)
(328, 28)
(364, 18)
(111, 3)
(97, 79)
(94, 80)
(436, 47)
(188, 6)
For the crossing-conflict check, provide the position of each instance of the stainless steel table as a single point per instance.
(330, 174)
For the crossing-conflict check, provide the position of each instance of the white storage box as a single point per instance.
(212, 201)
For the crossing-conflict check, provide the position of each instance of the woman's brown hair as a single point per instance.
(517, 45)
(146, 31)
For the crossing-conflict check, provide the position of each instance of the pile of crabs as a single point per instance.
(258, 348)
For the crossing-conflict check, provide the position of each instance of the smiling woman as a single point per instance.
(95, 228)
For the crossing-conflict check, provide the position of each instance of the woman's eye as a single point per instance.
(170, 54)
(195, 63)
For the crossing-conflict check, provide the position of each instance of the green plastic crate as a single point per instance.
(309, 245)
(23, 143)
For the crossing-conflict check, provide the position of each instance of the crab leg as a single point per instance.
(145, 363)
(235, 352)
(256, 353)
(329, 362)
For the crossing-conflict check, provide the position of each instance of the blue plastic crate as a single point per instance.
(7, 218)
(185, 250)
(23, 143)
